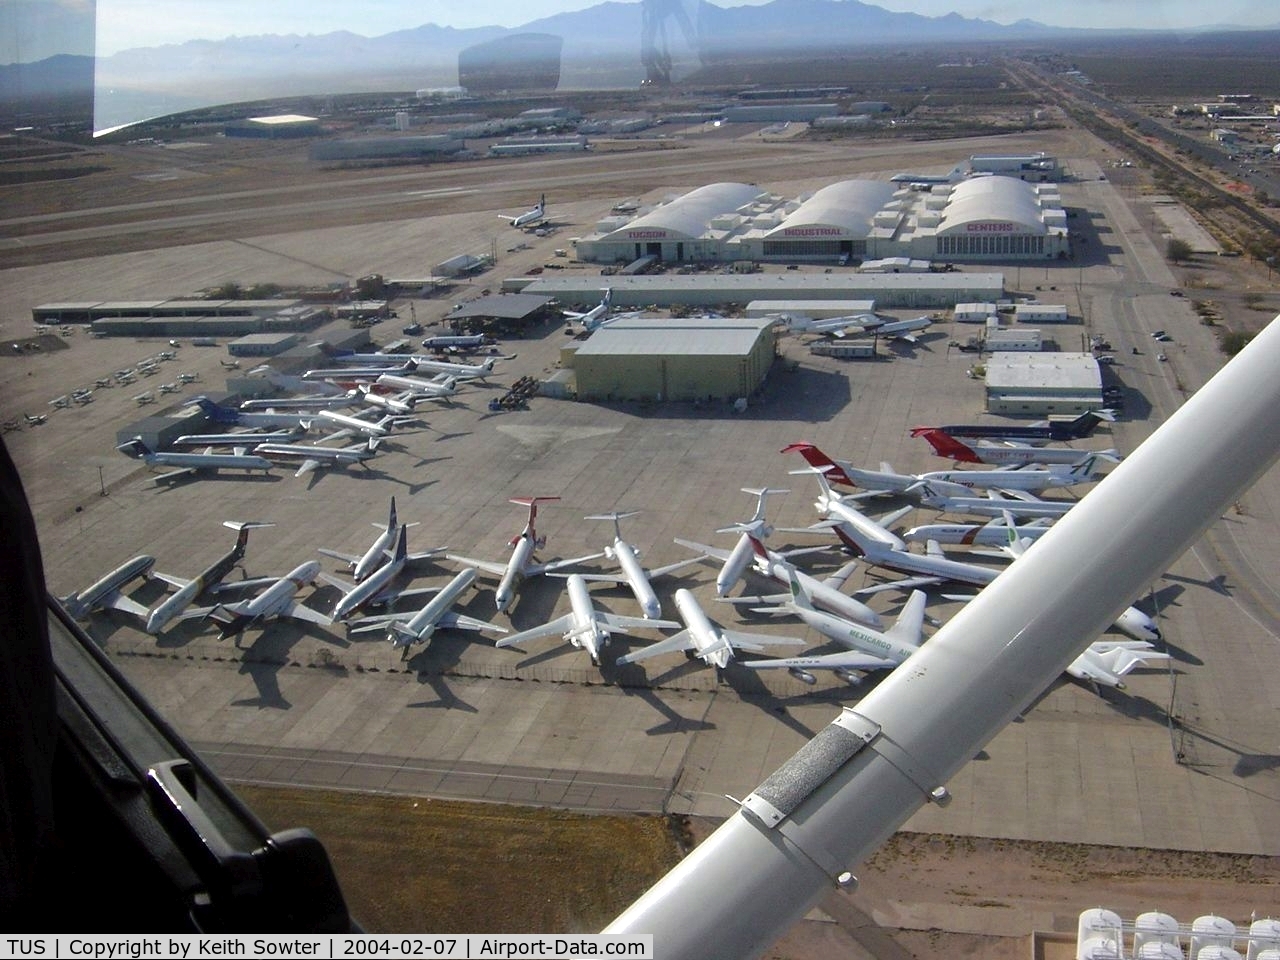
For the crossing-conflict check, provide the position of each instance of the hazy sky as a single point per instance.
(34, 29)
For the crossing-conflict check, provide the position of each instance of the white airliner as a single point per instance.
(1103, 662)
(775, 566)
(349, 424)
(452, 343)
(894, 329)
(105, 591)
(867, 649)
(459, 371)
(313, 457)
(1020, 505)
(275, 601)
(803, 323)
(188, 590)
(376, 587)
(192, 463)
(521, 563)
(402, 404)
(633, 573)
(993, 533)
(434, 389)
(585, 626)
(405, 629)
(712, 643)
(592, 318)
(868, 539)
(379, 551)
(1007, 454)
(220, 414)
(948, 482)
(529, 217)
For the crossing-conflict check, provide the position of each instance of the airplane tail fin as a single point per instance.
(945, 445)
(134, 448)
(799, 596)
(243, 528)
(909, 627)
(402, 544)
(391, 517)
(820, 461)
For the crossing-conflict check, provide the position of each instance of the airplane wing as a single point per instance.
(619, 624)
(837, 579)
(908, 583)
(558, 625)
(715, 552)
(300, 611)
(380, 622)
(673, 567)
(673, 644)
(174, 475)
(424, 554)
(338, 555)
(118, 601)
(343, 585)
(536, 568)
(843, 660)
(460, 621)
(1122, 660)
(488, 566)
(308, 466)
(756, 642)
(170, 579)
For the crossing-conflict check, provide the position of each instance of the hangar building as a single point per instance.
(982, 218)
(659, 360)
(1038, 384)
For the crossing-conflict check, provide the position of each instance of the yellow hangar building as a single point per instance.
(693, 359)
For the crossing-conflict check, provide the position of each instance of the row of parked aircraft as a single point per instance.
(820, 604)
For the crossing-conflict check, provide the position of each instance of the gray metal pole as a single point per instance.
(844, 793)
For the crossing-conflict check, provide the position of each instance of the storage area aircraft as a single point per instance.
(585, 626)
(406, 629)
(522, 564)
(190, 464)
(1008, 453)
(712, 643)
(189, 590)
(634, 574)
(277, 600)
(530, 218)
(1061, 430)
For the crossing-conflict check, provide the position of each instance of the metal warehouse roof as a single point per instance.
(1041, 371)
(992, 198)
(691, 213)
(690, 336)
(503, 306)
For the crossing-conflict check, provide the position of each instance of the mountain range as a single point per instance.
(601, 48)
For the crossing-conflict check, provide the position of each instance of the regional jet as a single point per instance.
(521, 564)
(455, 343)
(404, 629)
(712, 643)
(529, 217)
(585, 626)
